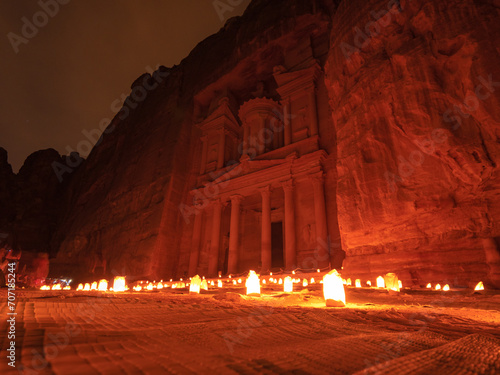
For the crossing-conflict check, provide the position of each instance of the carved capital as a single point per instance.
(288, 185)
(265, 191)
(222, 131)
(236, 199)
(215, 203)
(317, 178)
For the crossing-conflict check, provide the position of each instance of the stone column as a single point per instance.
(286, 119)
(322, 250)
(246, 133)
(213, 257)
(234, 234)
(266, 229)
(313, 110)
(222, 149)
(260, 135)
(195, 241)
(203, 154)
(290, 242)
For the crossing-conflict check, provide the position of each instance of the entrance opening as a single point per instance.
(277, 245)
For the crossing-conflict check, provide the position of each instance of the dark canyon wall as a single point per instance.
(413, 142)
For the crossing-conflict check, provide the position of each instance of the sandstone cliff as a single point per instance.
(412, 174)
(417, 117)
(30, 200)
(122, 214)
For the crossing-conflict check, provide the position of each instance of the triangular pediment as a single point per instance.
(222, 116)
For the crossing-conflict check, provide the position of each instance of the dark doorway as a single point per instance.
(277, 245)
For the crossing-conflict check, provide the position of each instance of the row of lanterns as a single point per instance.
(333, 285)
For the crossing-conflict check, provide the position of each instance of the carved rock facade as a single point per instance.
(301, 130)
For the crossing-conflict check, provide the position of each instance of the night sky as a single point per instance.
(64, 79)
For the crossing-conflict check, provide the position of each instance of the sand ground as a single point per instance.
(226, 332)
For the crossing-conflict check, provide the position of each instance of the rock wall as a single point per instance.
(412, 173)
(122, 211)
(415, 102)
(30, 200)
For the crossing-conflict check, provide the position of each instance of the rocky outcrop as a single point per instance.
(123, 213)
(415, 101)
(411, 178)
(30, 200)
(7, 186)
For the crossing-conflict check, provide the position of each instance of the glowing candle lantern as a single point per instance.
(253, 284)
(280, 281)
(293, 272)
(349, 282)
(304, 283)
(56, 287)
(234, 282)
(239, 281)
(79, 287)
(86, 287)
(479, 286)
(400, 284)
(45, 287)
(438, 287)
(103, 285)
(270, 273)
(137, 288)
(119, 284)
(195, 285)
(263, 281)
(159, 286)
(149, 287)
(333, 289)
(204, 284)
(380, 282)
(93, 286)
(446, 288)
(357, 282)
(212, 283)
(317, 270)
(429, 286)
(219, 283)
(391, 282)
(288, 285)
(369, 283)
(67, 287)
(312, 280)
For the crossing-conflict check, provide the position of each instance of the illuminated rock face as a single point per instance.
(130, 202)
(417, 124)
(293, 132)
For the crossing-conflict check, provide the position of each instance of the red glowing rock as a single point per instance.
(384, 150)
